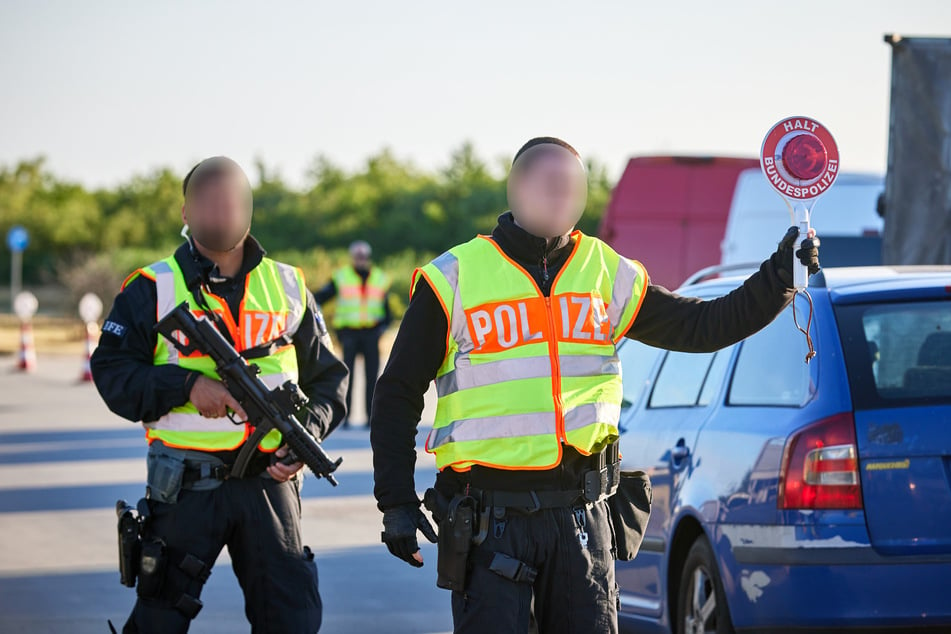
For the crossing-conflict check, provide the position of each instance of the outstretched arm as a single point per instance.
(326, 292)
(688, 324)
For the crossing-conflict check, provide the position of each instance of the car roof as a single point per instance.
(855, 284)
(852, 285)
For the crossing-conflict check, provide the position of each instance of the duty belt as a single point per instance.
(597, 484)
(205, 471)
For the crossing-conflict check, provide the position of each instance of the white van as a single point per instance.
(845, 218)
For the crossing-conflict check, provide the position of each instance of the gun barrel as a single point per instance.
(311, 453)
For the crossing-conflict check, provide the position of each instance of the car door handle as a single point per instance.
(680, 451)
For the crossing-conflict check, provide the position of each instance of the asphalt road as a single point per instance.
(65, 460)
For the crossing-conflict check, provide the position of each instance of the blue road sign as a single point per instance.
(18, 238)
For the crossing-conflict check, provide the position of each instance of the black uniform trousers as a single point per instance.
(258, 519)
(364, 342)
(575, 591)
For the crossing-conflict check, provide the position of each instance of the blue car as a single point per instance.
(794, 496)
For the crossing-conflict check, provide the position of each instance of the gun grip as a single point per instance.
(290, 458)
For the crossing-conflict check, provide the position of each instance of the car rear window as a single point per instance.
(897, 354)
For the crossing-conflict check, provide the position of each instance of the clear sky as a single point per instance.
(110, 89)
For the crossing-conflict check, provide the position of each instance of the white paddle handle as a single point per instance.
(800, 272)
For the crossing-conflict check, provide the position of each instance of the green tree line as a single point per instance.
(89, 239)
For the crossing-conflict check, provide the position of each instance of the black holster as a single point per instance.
(144, 561)
(456, 532)
(602, 481)
(630, 512)
(153, 563)
(130, 543)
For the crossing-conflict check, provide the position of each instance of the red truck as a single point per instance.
(670, 212)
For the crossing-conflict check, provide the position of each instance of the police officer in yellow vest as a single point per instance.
(361, 313)
(263, 307)
(519, 331)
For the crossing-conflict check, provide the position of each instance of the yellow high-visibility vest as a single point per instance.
(359, 305)
(525, 374)
(273, 306)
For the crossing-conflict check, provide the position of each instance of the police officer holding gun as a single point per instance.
(195, 427)
(518, 329)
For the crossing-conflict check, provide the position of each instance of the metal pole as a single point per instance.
(16, 276)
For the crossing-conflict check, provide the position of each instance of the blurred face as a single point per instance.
(547, 190)
(218, 212)
(360, 258)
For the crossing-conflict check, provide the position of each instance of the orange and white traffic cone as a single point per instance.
(26, 361)
(92, 333)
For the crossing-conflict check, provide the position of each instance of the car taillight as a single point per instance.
(820, 468)
(804, 156)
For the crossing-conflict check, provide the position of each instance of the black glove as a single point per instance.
(400, 524)
(807, 254)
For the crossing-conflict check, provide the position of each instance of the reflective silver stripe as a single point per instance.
(296, 303)
(274, 380)
(448, 265)
(493, 427)
(624, 279)
(466, 376)
(187, 421)
(520, 425)
(165, 300)
(184, 421)
(589, 365)
(589, 413)
(164, 288)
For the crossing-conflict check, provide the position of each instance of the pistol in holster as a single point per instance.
(144, 560)
(459, 528)
(130, 542)
(141, 558)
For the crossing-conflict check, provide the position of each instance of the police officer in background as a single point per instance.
(261, 306)
(361, 314)
(519, 331)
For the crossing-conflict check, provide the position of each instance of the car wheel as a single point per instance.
(701, 605)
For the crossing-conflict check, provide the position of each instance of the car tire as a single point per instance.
(701, 603)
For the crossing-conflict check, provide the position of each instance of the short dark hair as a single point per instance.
(188, 178)
(541, 140)
(208, 170)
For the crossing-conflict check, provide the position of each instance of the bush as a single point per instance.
(89, 273)
(90, 240)
(318, 266)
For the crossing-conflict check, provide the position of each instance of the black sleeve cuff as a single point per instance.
(190, 379)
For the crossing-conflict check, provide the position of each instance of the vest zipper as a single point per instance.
(555, 376)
